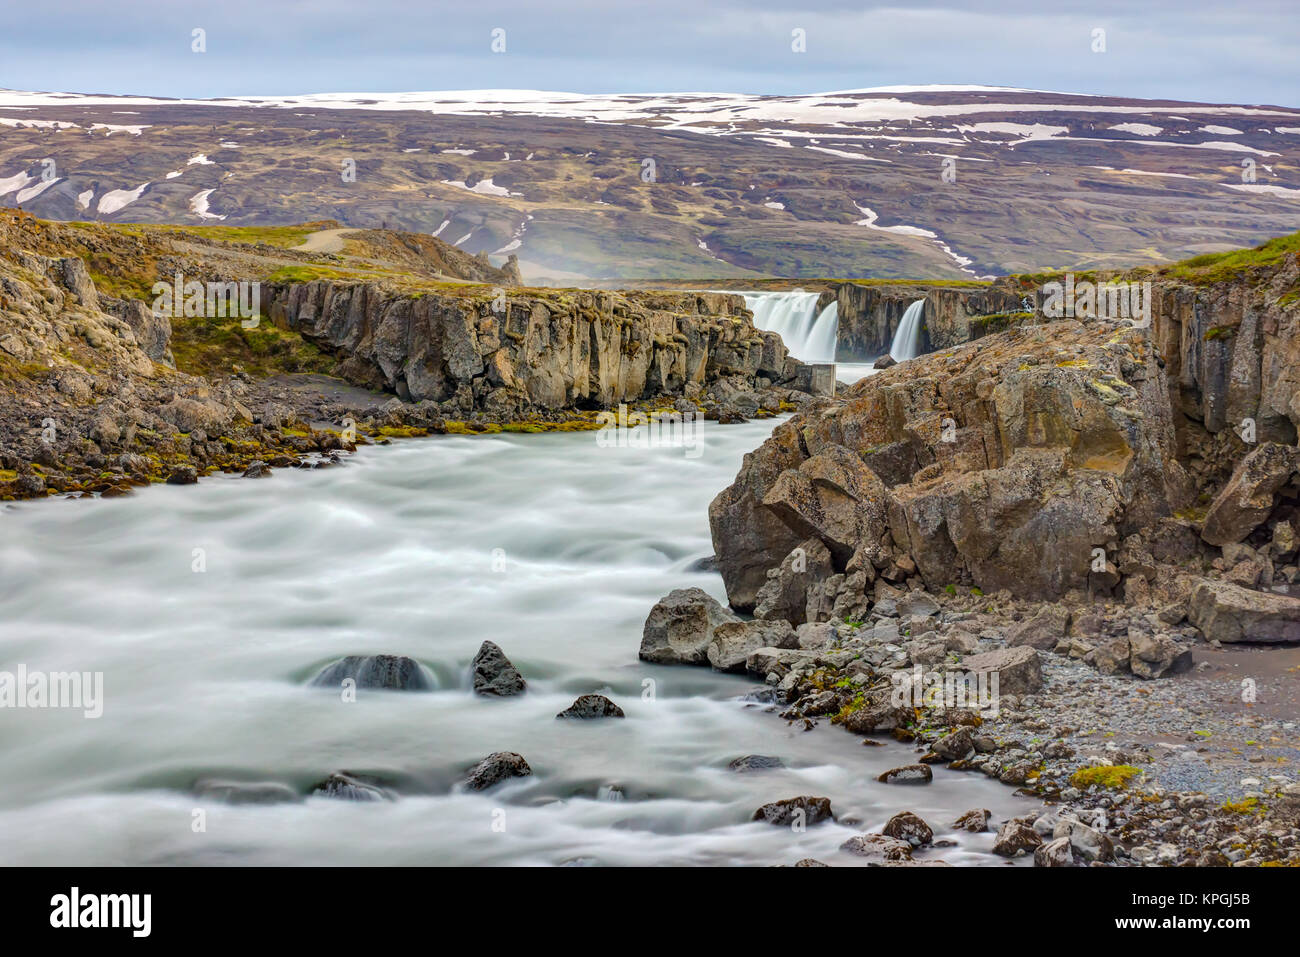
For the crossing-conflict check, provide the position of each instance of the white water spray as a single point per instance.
(907, 340)
(809, 333)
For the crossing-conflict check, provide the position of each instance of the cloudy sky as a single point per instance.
(1242, 52)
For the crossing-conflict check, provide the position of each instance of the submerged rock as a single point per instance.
(347, 787)
(390, 672)
(592, 706)
(245, 792)
(494, 674)
(804, 809)
(755, 762)
(495, 768)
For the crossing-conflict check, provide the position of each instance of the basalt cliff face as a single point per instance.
(537, 349)
(869, 315)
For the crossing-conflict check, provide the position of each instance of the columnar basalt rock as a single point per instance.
(536, 349)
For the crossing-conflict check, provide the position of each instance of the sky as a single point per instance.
(1242, 52)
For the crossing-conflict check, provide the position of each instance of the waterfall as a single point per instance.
(907, 340)
(808, 333)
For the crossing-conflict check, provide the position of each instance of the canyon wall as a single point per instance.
(542, 349)
(869, 314)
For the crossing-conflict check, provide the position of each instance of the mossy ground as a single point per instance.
(209, 346)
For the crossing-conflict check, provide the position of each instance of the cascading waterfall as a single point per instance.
(808, 333)
(907, 340)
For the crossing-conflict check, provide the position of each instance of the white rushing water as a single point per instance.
(808, 332)
(394, 552)
(907, 340)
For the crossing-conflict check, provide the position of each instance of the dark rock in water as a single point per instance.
(245, 792)
(392, 672)
(258, 469)
(592, 706)
(709, 564)
(809, 862)
(975, 821)
(884, 362)
(345, 787)
(496, 767)
(878, 848)
(907, 826)
(755, 762)
(185, 475)
(908, 774)
(494, 674)
(808, 810)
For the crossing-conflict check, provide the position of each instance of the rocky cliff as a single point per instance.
(869, 314)
(540, 349)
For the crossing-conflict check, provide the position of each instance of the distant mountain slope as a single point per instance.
(893, 182)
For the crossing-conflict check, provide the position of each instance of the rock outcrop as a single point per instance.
(869, 315)
(507, 353)
(1018, 461)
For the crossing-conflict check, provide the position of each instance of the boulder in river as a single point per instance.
(907, 774)
(592, 706)
(390, 672)
(755, 762)
(878, 848)
(494, 674)
(975, 821)
(1015, 838)
(906, 826)
(497, 767)
(804, 810)
(680, 627)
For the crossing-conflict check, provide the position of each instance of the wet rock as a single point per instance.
(755, 762)
(733, 642)
(1015, 838)
(907, 774)
(258, 469)
(185, 475)
(873, 719)
(975, 820)
(803, 810)
(388, 672)
(495, 768)
(878, 848)
(809, 862)
(1018, 670)
(347, 787)
(494, 674)
(908, 827)
(592, 706)
(1229, 613)
(680, 627)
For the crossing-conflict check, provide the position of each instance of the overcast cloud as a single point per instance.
(1244, 52)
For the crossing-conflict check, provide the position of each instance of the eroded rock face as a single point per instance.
(541, 351)
(1005, 463)
(1250, 494)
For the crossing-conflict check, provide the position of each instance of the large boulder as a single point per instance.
(1226, 612)
(1043, 630)
(1250, 494)
(680, 627)
(1004, 463)
(785, 595)
(1016, 670)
